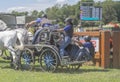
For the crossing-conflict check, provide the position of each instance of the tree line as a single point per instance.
(110, 11)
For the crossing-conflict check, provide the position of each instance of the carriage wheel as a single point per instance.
(48, 60)
(74, 67)
(27, 59)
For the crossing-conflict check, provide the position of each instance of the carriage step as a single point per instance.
(65, 57)
(77, 62)
(74, 62)
(66, 62)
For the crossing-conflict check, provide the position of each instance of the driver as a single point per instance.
(68, 30)
(41, 22)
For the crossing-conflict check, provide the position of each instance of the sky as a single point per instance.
(29, 5)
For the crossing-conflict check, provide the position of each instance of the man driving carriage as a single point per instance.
(40, 22)
(68, 30)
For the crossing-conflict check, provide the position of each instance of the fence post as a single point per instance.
(105, 49)
(116, 49)
(97, 59)
(119, 53)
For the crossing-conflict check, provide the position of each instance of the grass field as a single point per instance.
(84, 74)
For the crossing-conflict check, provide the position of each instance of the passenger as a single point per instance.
(87, 45)
(41, 22)
(68, 29)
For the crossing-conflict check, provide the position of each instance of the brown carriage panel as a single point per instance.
(116, 48)
(105, 49)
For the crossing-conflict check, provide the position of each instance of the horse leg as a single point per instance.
(21, 41)
(15, 58)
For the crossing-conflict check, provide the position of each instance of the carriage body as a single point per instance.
(47, 52)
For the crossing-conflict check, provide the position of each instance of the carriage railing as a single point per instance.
(47, 34)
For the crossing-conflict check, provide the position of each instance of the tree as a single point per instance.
(109, 14)
(20, 13)
(87, 0)
(117, 9)
(40, 13)
(53, 12)
(35, 13)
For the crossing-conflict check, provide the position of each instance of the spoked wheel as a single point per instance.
(48, 60)
(27, 59)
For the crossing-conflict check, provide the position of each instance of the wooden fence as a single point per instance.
(103, 58)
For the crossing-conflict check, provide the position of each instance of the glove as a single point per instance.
(27, 25)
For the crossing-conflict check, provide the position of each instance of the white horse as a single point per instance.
(14, 41)
(7, 41)
(22, 38)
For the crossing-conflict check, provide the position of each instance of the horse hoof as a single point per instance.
(16, 68)
(6, 58)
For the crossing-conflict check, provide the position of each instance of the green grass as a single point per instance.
(84, 74)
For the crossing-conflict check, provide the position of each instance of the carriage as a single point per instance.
(46, 55)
